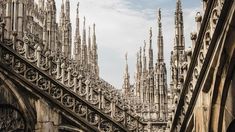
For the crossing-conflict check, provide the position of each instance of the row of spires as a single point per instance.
(151, 82)
(179, 43)
(85, 52)
(55, 36)
(85, 48)
(178, 53)
(160, 56)
(144, 71)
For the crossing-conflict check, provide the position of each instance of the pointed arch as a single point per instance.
(12, 99)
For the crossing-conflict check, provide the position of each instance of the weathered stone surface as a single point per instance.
(48, 119)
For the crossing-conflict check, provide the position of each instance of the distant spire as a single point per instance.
(84, 46)
(94, 52)
(62, 14)
(94, 46)
(62, 6)
(160, 38)
(89, 46)
(84, 31)
(77, 39)
(159, 22)
(94, 38)
(140, 60)
(138, 75)
(178, 5)
(126, 64)
(179, 27)
(178, 54)
(150, 38)
(89, 35)
(137, 63)
(77, 22)
(150, 50)
(84, 22)
(126, 84)
(78, 9)
(67, 10)
(144, 58)
(94, 29)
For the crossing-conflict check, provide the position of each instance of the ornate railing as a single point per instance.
(66, 83)
(69, 101)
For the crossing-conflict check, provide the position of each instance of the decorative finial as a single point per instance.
(126, 57)
(84, 22)
(78, 9)
(150, 38)
(159, 15)
(138, 55)
(62, 4)
(178, 3)
(144, 45)
(89, 30)
(94, 28)
(159, 21)
(126, 63)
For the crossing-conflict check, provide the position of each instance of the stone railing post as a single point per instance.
(100, 98)
(80, 84)
(26, 45)
(75, 82)
(91, 94)
(38, 55)
(46, 60)
(14, 39)
(113, 102)
(49, 58)
(87, 89)
(62, 73)
(62, 59)
(57, 68)
(69, 69)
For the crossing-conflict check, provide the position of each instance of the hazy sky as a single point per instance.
(123, 25)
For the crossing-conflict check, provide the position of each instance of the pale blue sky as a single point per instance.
(123, 25)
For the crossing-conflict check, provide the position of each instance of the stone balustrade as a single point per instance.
(70, 76)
